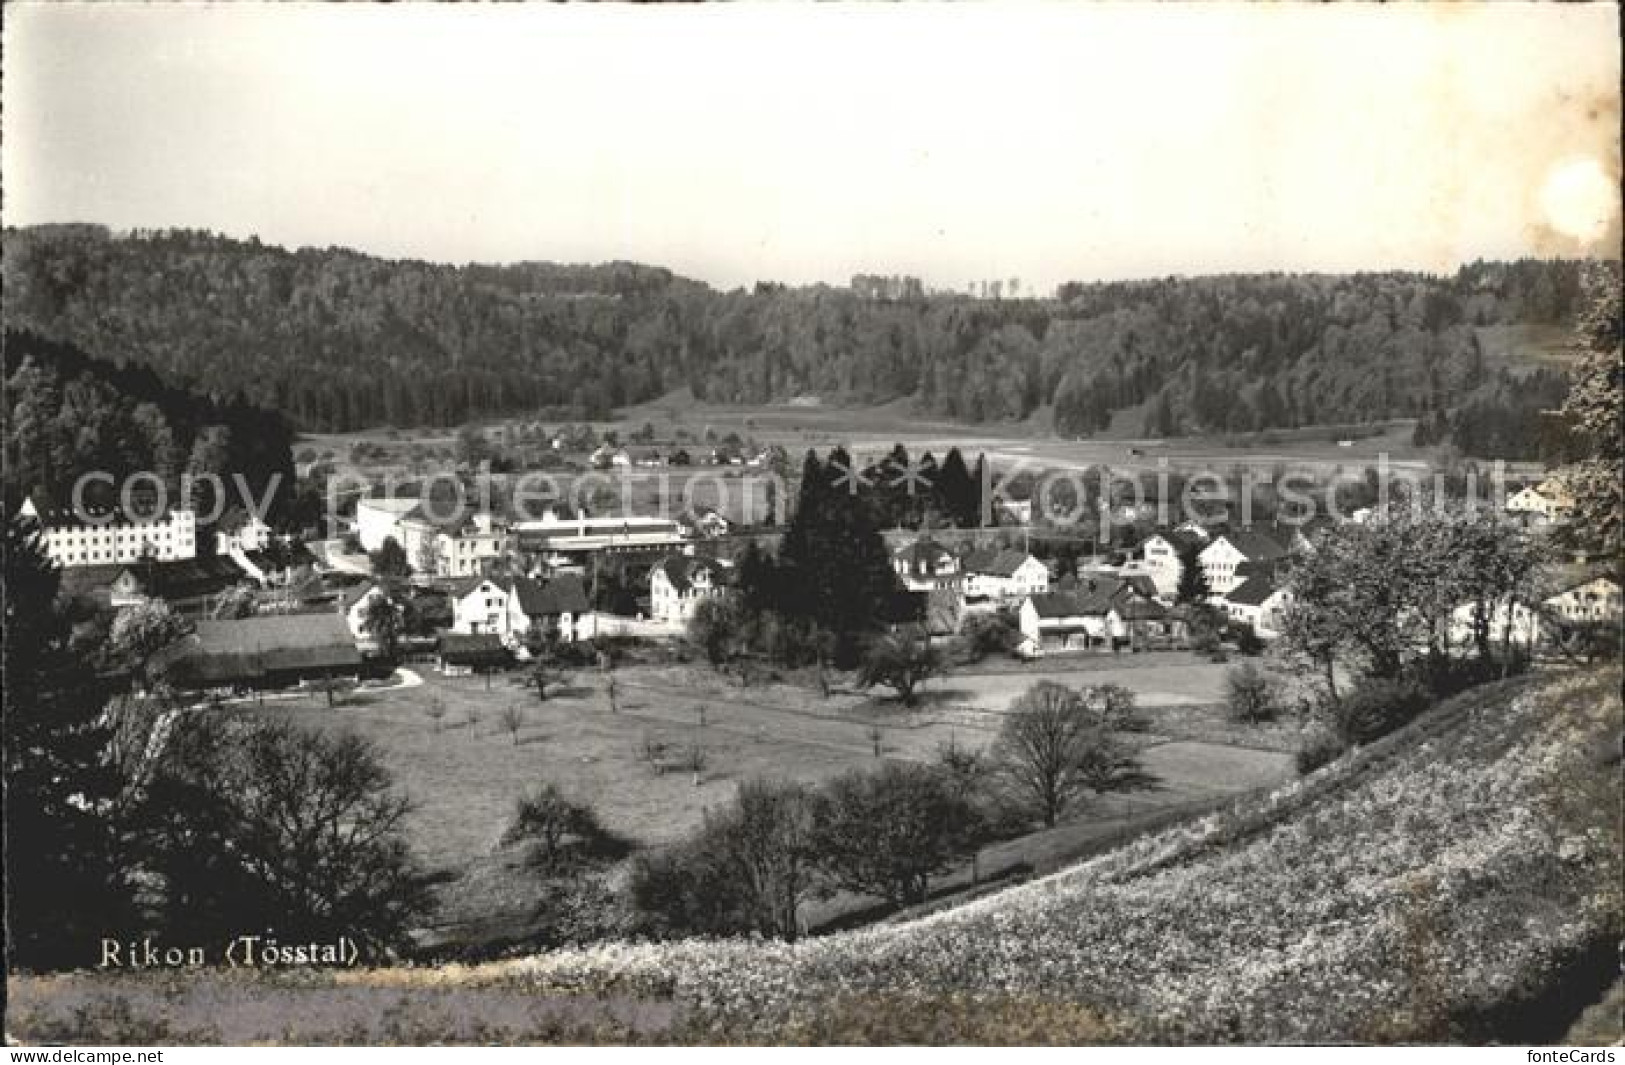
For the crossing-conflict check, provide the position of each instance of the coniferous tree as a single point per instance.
(1193, 586)
(65, 884)
(957, 491)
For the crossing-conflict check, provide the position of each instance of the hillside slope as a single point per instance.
(1412, 891)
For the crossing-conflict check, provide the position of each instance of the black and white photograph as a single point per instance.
(812, 525)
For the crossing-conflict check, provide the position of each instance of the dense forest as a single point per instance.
(340, 340)
(69, 414)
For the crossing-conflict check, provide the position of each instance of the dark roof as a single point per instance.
(470, 649)
(921, 555)
(50, 515)
(184, 578)
(1254, 544)
(249, 648)
(233, 519)
(88, 580)
(1059, 605)
(564, 594)
(1260, 567)
(1570, 578)
(277, 558)
(679, 570)
(1183, 540)
(464, 585)
(357, 592)
(1252, 591)
(1136, 609)
(1094, 596)
(995, 563)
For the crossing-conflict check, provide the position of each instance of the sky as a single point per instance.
(797, 143)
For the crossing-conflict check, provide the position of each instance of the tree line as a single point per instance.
(888, 832)
(71, 414)
(338, 340)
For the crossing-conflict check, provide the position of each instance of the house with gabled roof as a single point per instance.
(678, 584)
(355, 603)
(1095, 612)
(1220, 559)
(266, 651)
(925, 565)
(1547, 503)
(1589, 599)
(1161, 553)
(1003, 574)
(1148, 625)
(1258, 602)
(705, 522)
(522, 609)
(458, 654)
(240, 529)
(182, 583)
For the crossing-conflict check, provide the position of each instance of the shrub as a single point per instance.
(560, 832)
(1247, 641)
(1250, 694)
(988, 634)
(1320, 746)
(747, 869)
(1377, 707)
(887, 832)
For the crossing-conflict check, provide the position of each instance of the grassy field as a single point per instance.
(465, 770)
(1443, 884)
(869, 431)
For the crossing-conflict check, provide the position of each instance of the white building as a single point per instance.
(1006, 574)
(1258, 603)
(1546, 503)
(925, 565)
(1508, 622)
(679, 584)
(355, 605)
(1222, 558)
(1098, 612)
(241, 530)
(468, 549)
(106, 537)
(1160, 558)
(522, 608)
(401, 520)
(1596, 600)
(706, 522)
(561, 540)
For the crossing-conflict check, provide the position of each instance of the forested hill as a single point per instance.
(68, 414)
(340, 340)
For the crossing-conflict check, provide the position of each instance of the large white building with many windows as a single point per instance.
(107, 537)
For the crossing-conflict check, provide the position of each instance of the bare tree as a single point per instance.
(1053, 749)
(544, 675)
(513, 719)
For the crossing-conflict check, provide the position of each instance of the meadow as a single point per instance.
(1457, 880)
(451, 751)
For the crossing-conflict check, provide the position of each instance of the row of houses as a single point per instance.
(612, 456)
